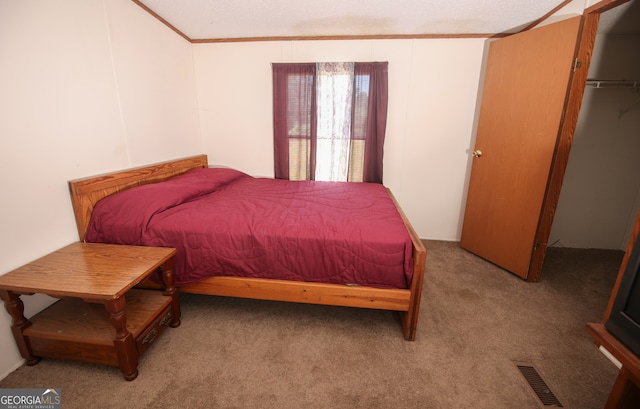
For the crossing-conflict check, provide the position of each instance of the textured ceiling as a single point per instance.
(230, 19)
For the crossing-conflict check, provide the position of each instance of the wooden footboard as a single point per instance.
(86, 192)
(410, 316)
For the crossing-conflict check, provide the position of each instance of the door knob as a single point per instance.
(477, 153)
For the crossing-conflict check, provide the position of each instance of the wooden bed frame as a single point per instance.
(86, 192)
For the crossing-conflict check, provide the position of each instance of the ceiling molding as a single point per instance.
(354, 37)
(320, 19)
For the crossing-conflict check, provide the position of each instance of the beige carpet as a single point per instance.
(476, 322)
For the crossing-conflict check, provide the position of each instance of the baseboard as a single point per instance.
(12, 369)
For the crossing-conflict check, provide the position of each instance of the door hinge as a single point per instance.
(576, 64)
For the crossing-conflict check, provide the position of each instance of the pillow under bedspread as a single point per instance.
(225, 223)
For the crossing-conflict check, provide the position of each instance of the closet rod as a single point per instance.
(613, 83)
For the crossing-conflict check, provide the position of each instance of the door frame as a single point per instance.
(591, 18)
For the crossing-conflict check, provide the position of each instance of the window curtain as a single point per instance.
(375, 119)
(294, 120)
(333, 111)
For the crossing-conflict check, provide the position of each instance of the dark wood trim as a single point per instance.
(163, 21)
(604, 5)
(351, 37)
(575, 92)
(546, 16)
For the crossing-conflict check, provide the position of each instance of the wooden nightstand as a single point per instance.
(100, 318)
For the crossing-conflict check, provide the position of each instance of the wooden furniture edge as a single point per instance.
(577, 84)
(623, 266)
(89, 317)
(101, 332)
(86, 192)
(410, 317)
(603, 337)
(302, 292)
(626, 389)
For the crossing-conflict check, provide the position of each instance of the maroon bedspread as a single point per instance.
(224, 222)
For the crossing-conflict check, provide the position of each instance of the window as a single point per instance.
(329, 121)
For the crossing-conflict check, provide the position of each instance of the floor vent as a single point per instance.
(539, 386)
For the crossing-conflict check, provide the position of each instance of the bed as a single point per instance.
(402, 293)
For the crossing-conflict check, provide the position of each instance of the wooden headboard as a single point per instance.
(86, 192)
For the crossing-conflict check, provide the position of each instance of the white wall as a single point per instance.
(87, 86)
(433, 85)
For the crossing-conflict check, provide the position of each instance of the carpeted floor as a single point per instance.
(477, 322)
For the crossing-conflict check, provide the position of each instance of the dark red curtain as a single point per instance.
(376, 115)
(294, 113)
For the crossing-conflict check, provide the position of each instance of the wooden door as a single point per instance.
(526, 87)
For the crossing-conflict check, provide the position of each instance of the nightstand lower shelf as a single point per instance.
(77, 330)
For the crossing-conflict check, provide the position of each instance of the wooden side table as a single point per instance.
(100, 318)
